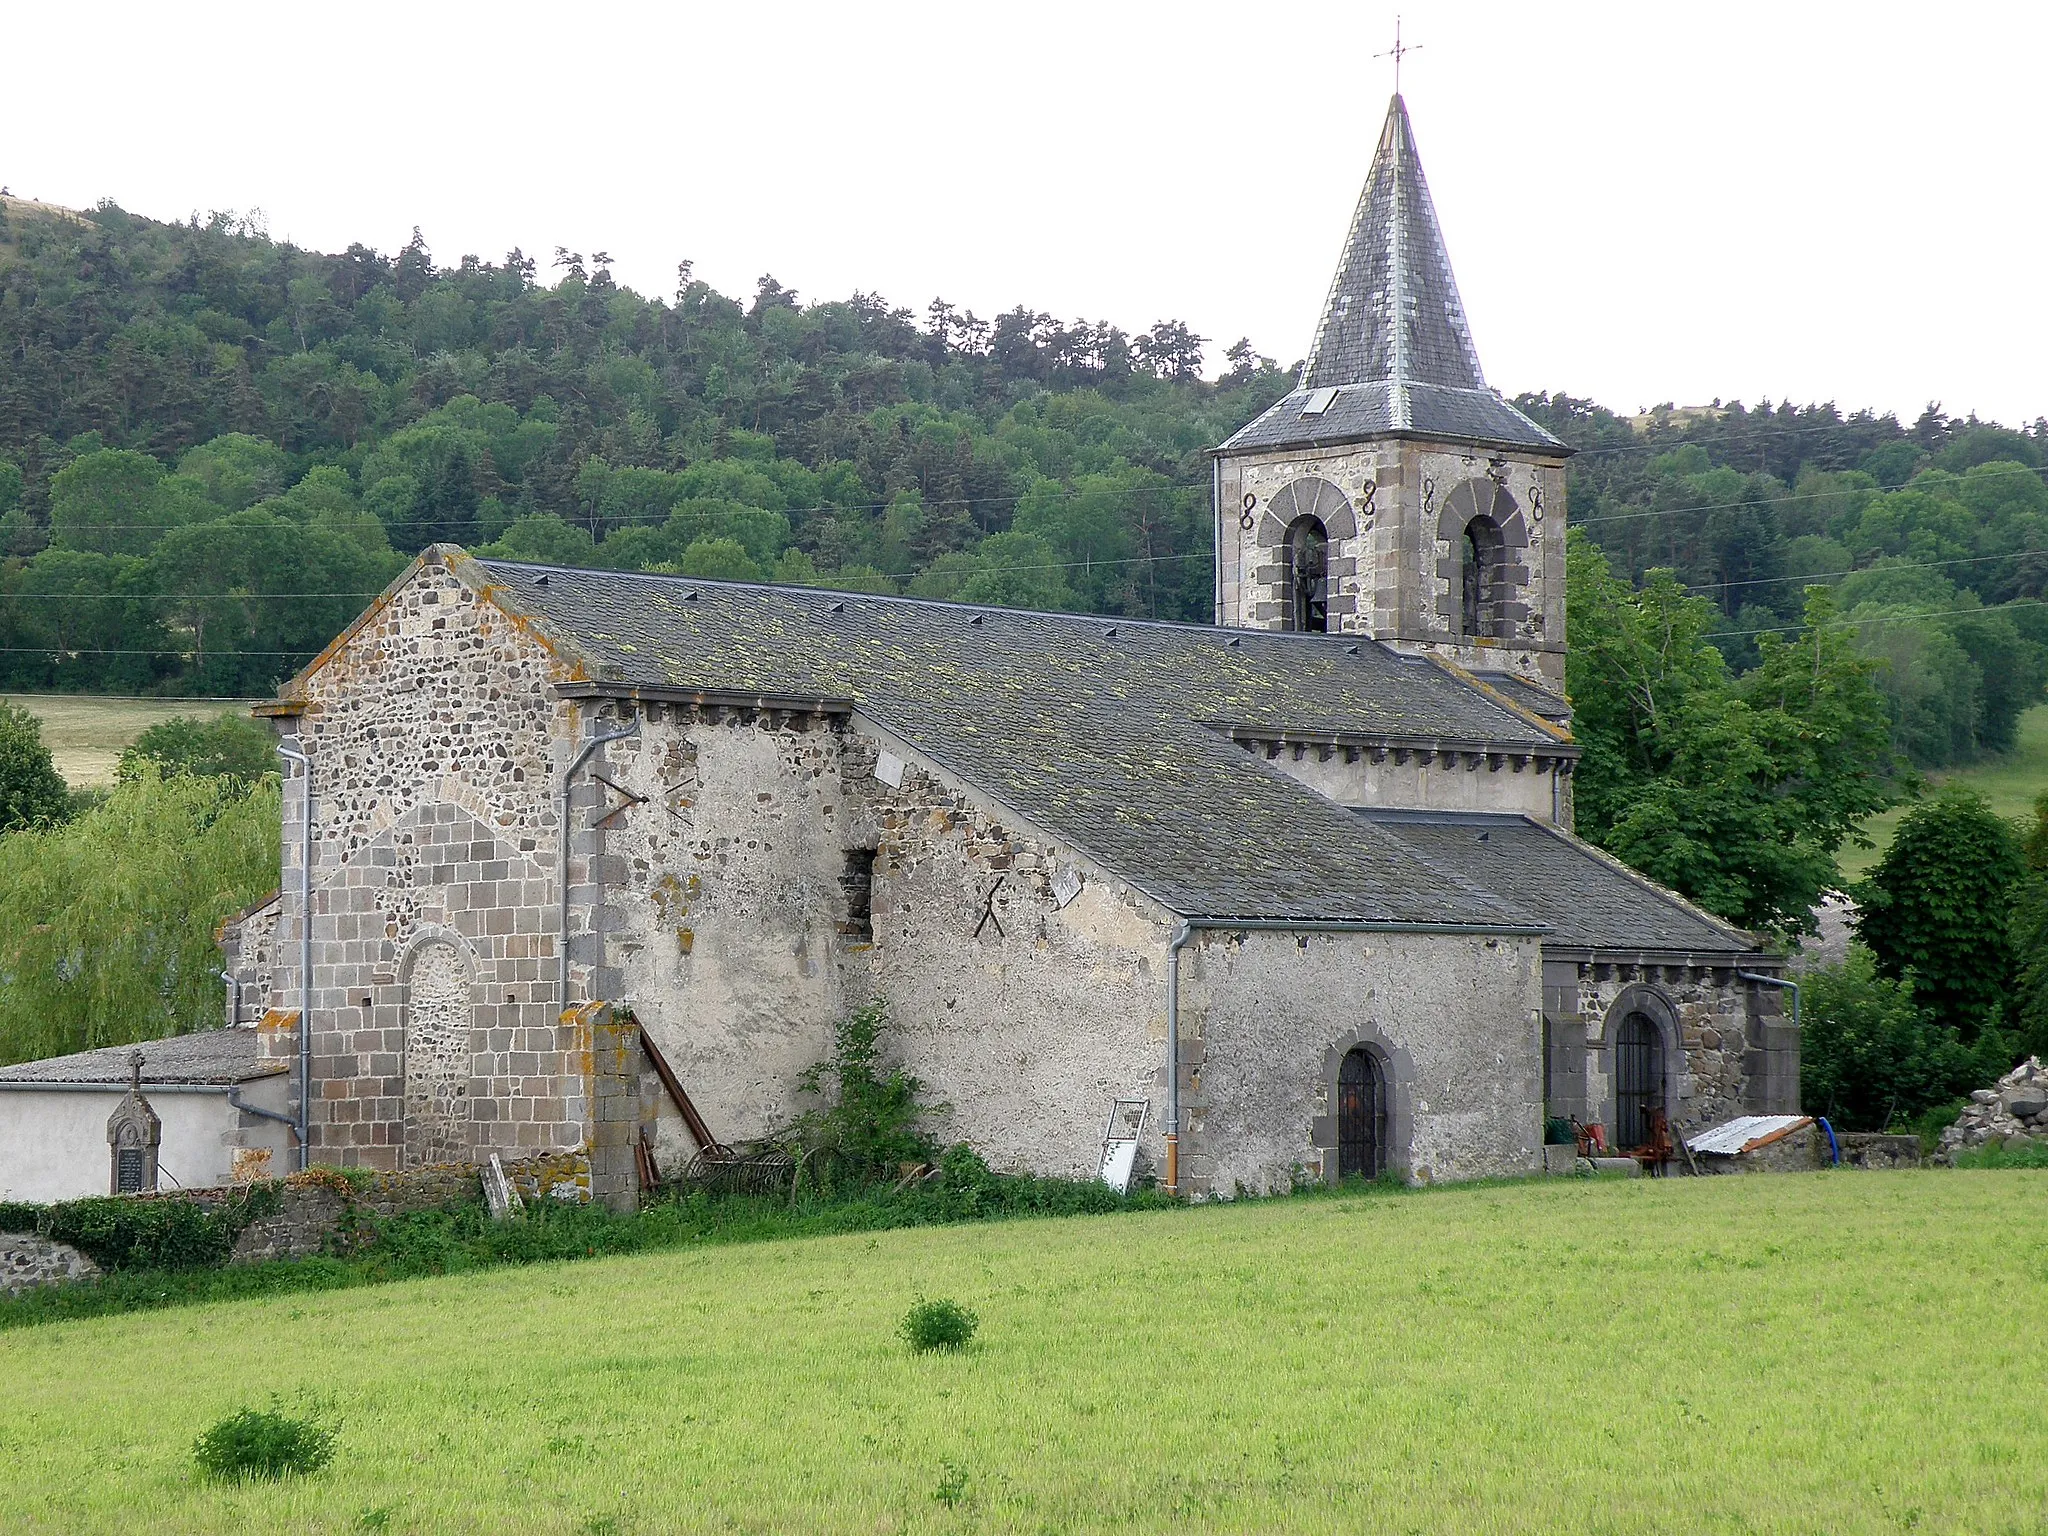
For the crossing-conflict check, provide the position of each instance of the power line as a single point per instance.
(1879, 618)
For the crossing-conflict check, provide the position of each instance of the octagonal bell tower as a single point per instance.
(1393, 494)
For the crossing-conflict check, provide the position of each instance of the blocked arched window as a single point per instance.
(437, 1055)
(1306, 600)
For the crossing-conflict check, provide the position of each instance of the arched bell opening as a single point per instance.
(1305, 603)
(1481, 549)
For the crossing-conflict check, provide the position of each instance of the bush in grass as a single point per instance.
(262, 1444)
(930, 1326)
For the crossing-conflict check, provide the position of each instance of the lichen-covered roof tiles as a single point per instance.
(1586, 899)
(1104, 732)
(210, 1056)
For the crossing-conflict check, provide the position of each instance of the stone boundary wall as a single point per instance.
(27, 1262)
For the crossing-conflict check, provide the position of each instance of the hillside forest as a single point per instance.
(215, 446)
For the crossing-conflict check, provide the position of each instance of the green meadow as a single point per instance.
(87, 732)
(1819, 1352)
(2011, 783)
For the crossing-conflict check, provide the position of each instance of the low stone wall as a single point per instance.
(318, 1211)
(1807, 1148)
(27, 1262)
(322, 1205)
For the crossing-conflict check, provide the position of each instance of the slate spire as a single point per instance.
(1393, 315)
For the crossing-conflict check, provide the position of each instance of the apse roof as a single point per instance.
(1394, 342)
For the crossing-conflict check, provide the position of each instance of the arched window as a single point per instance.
(1638, 1078)
(1361, 1116)
(1306, 576)
(1480, 581)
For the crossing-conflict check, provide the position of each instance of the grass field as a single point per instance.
(2011, 783)
(85, 733)
(1801, 1353)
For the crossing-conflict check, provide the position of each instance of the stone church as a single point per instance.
(591, 861)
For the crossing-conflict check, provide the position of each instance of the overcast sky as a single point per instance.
(1642, 202)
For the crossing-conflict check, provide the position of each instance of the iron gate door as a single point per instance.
(1638, 1079)
(1361, 1116)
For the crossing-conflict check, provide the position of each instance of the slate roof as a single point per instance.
(1394, 341)
(210, 1056)
(1103, 732)
(1585, 899)
(1539, 701)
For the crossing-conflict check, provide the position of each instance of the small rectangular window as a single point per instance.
(1319, 401)
(857, 880)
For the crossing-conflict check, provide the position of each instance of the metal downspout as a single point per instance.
(568, 779)
(1181, 935)
(292, 754)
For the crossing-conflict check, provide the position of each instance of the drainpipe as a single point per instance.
(1181, 935)
(1779, 982)
(1186, 931)
(568, 778)
(234, 987)
(293, 754)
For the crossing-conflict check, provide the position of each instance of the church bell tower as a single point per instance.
(1393, 494)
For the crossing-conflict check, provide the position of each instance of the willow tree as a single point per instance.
(107, 922)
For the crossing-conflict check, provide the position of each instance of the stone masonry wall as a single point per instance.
(432, 731)
(1735, 1053)
(1388, 580)
(1026, 986)
(1266, 1018)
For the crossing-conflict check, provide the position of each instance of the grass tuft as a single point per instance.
(263, 1444)
(930, 1326)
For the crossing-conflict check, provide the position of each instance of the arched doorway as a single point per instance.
(1638, 1078)
(1361, 1116)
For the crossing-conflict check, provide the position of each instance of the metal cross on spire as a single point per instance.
(1395, 53)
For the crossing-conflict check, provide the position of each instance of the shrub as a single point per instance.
(1870, 1054)
(31, 793)
(1939, 905)
(258, 1444)
(229, 746)
(871, 1124)
(937, 1325)
(122, 1233)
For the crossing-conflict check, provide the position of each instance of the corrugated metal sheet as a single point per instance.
(1745, 1133)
